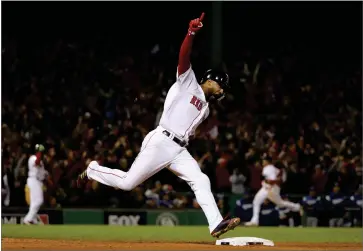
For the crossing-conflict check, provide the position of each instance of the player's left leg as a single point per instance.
(311, 221)
(36, 200)
(259, 198)
(187, 168)
(156, 152)
(274, 196)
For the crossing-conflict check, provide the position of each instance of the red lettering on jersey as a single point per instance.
(197, 103)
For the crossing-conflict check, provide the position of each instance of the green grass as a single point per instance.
(178, 234)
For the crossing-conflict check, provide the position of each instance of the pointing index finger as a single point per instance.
(201, 17)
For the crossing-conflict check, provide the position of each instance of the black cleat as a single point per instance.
(225, 226)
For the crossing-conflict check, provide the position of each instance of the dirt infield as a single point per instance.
(36, 244)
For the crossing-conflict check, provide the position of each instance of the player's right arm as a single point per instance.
(38, 155)
(31, 161)
(186, 47)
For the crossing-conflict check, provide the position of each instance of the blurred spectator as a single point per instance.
(237, 180)
(180, 201)
(311, 205)
(319, 179)
(166, 201)
(336, 200)
(356, 201)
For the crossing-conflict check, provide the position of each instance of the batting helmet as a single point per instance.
(220, 77)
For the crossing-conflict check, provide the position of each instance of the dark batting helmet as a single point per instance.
(220, 77)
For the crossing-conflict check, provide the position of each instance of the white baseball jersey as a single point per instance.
(271, 192)
(270, 172)
(185, 106)
(34, 170)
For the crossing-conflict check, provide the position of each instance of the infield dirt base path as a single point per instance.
(37, 244)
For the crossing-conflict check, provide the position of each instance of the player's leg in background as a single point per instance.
(274, 196)
(332, 222)
(27, 194)
(311, 221)
(156, 152)
(259, 198)
(36, 200)
(336, 222)
(187, 168)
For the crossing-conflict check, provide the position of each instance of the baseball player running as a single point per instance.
(273, 178)
(185, 107)
(34, 184)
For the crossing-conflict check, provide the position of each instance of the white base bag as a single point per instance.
(245, 241)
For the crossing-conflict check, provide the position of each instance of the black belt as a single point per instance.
(175, 139)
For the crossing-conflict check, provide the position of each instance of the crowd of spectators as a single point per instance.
(85, 102)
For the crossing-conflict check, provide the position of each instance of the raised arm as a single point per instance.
(186, 47)
(39, 149)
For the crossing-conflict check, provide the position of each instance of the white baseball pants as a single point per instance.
(36, 199)
(273, 194)
(157, 152)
